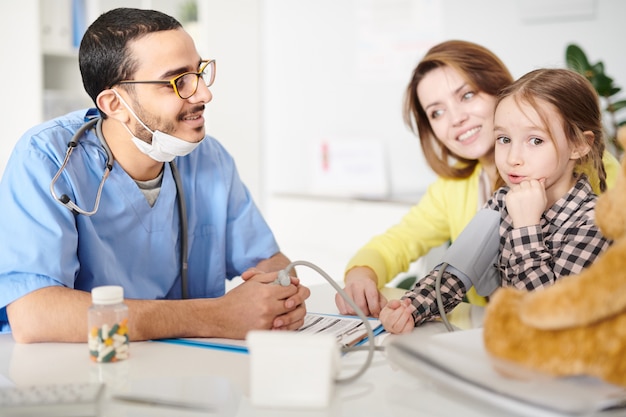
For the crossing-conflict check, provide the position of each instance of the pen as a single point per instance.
(152, 401)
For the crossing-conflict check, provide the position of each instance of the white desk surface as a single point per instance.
(171, 369)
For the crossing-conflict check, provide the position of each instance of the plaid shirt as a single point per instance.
(565, 242)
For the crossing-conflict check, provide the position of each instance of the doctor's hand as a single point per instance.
(257, 305)
(293, 318)
(294, 305)
(362, 289)
(397, 318)
(295, 309)
(526, 202)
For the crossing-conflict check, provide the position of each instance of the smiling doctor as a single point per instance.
(136, 194)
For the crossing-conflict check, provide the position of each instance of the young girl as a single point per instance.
(449, 104)
(547, 125)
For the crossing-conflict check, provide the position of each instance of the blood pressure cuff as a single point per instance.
(472, 257)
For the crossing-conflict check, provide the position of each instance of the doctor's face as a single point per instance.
(460, 116)
(162, 56)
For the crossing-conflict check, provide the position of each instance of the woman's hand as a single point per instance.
(362, 289)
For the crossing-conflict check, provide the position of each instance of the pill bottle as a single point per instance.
(108, 325)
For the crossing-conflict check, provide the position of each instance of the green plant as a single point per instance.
(189, 11)
(577, 60)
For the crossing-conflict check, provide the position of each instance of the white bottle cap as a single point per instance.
(107, 294)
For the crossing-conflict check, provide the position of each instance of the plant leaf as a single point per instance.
(618, 105)
(603, 84)
(576, 59)
(598, 67)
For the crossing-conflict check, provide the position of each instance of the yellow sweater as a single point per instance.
(439, 217)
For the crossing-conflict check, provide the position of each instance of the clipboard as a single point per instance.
(349, 330)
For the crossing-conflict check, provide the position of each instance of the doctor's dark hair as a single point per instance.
(575, 99)
(482, 70)
(104, 58)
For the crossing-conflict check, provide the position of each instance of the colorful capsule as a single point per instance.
(109, 343)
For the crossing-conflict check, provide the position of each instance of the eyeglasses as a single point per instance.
(185, 85)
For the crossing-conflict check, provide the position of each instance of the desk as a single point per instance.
(167, 368)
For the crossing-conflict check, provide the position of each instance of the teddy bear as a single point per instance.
(578, 325)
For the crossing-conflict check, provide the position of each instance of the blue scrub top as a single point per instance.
(126, 242)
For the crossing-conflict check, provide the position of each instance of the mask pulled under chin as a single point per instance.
(164, 147)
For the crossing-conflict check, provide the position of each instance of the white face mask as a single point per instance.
(164, 147)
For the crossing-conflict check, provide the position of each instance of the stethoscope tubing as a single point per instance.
(65, 200)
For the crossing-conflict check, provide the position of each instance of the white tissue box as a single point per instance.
(290, 369)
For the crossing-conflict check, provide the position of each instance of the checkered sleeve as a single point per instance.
(423, 296)
(537, 256)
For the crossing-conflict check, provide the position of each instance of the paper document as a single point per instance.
(349, 331)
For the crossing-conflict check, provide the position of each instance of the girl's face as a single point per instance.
(460, 116)
(526, 150)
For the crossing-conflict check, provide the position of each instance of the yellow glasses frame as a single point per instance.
(174, 81)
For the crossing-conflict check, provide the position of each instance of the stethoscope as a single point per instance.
(67, 202)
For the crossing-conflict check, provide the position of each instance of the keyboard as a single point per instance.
(54, 400)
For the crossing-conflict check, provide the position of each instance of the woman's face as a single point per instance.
(460, 116)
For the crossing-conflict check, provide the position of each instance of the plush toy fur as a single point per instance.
(577, 326)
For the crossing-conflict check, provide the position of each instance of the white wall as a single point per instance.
(333, 73)
(524, 46)
(316, 85)
(20, 106)
(231, 37)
